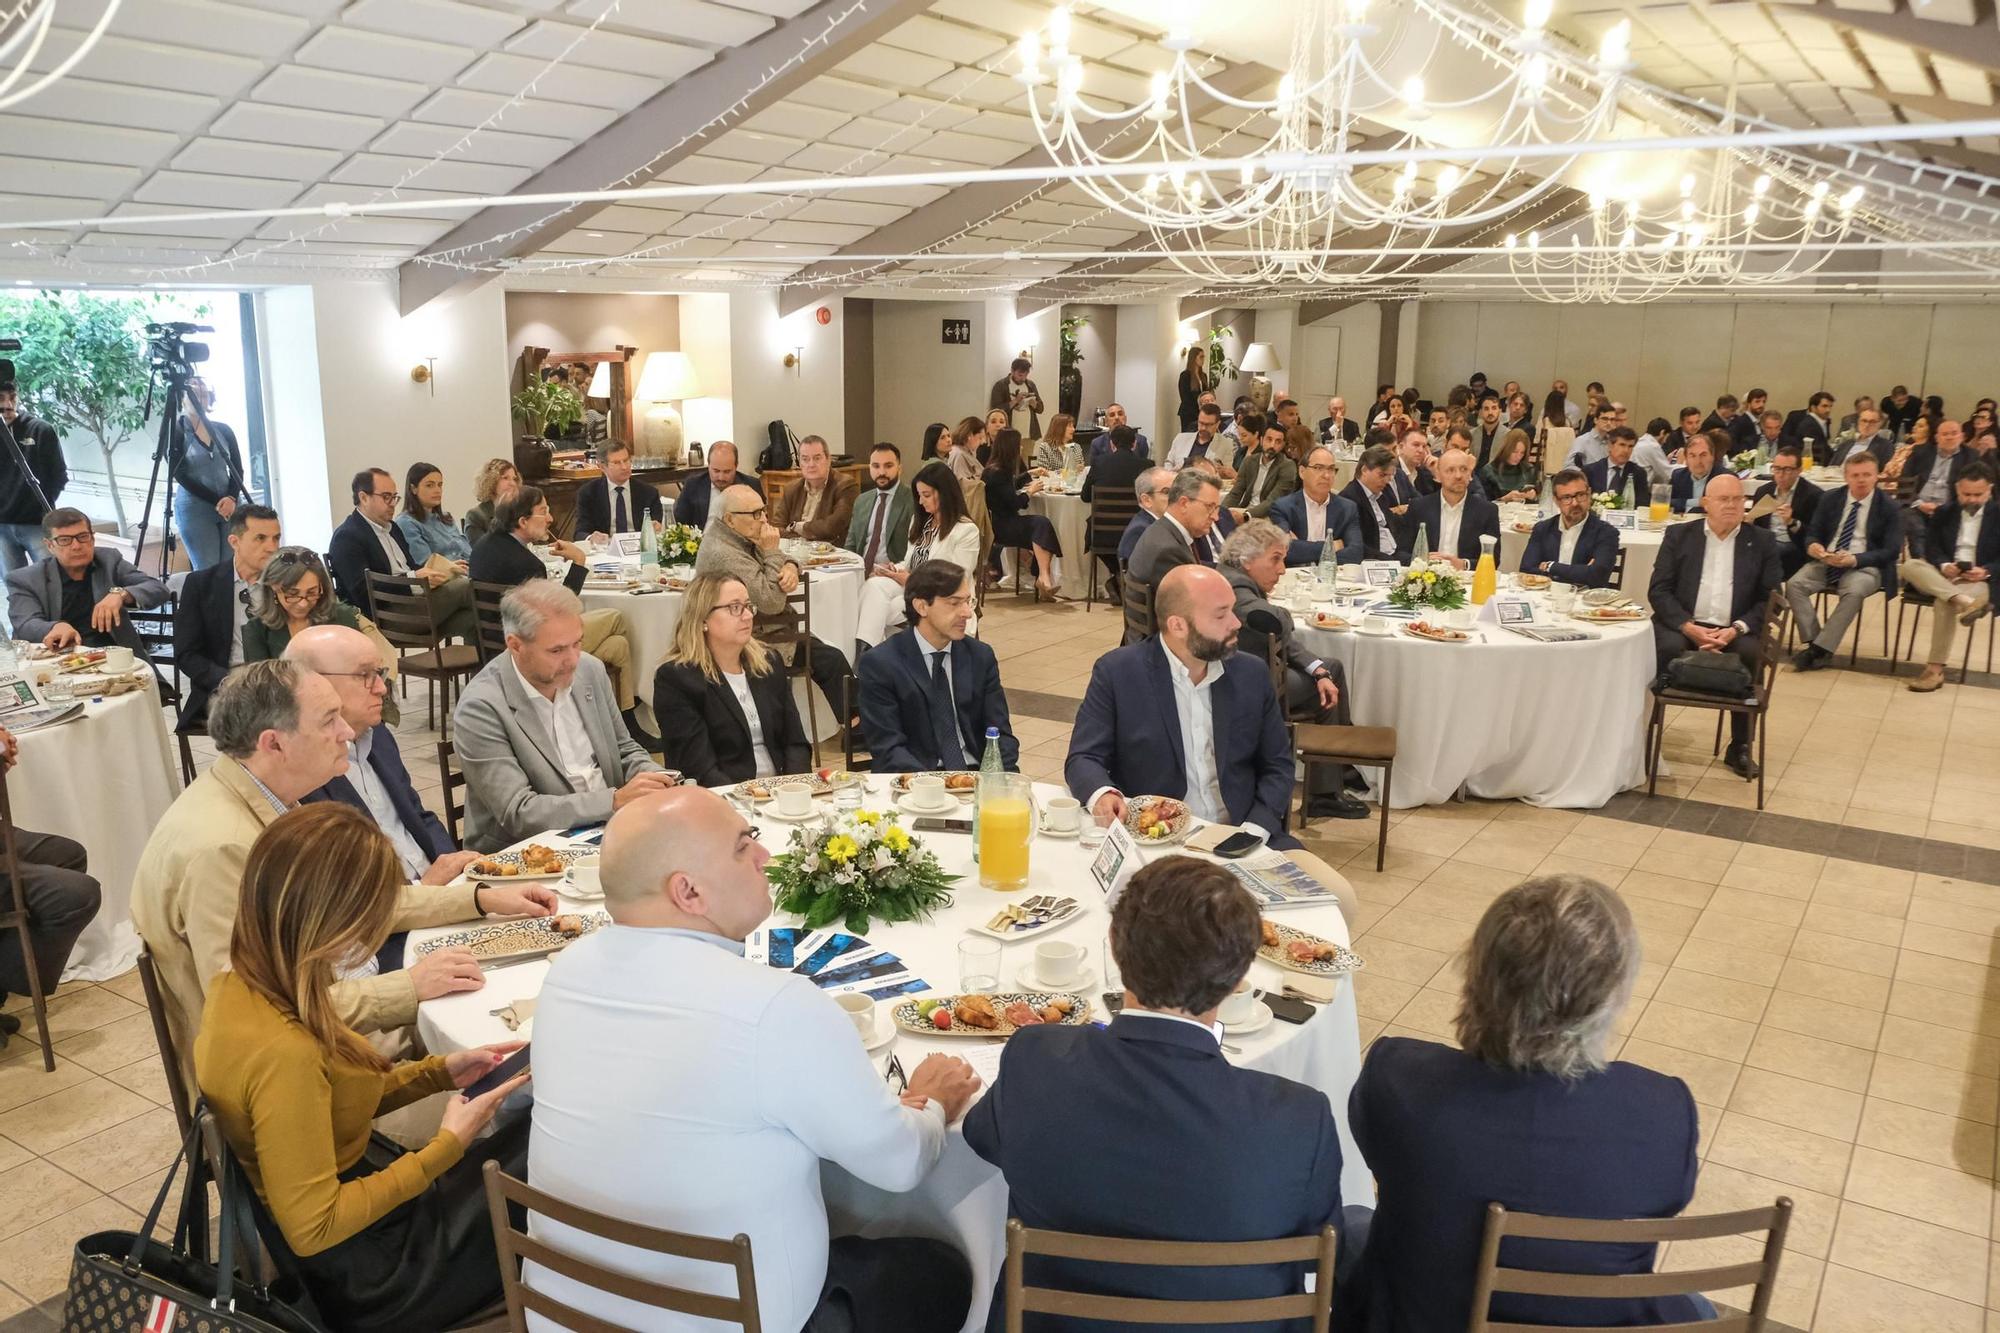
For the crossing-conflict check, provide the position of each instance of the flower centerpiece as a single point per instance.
(1426, 585)
(1607, 500)
(863, 868)
(680, 543)
(1744, 462)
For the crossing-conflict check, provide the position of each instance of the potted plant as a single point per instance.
(1220, 367)
(1069, 385)
(541, 406)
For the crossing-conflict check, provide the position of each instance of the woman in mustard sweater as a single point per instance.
(385, 1239)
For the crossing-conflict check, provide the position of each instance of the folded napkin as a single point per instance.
(519, 1012)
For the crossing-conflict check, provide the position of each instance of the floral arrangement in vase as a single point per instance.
(1427, 585)
(862, 867)
(680, 543)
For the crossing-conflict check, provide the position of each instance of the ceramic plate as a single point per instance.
(958, 782)
(1436, 633)
(1340, 961)
(1179, 820)
(511, 939)
(1029, 916)
(909, 1019)
(1253, 1024)
(512, 861)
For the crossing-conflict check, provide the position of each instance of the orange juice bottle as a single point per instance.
(1486, 574)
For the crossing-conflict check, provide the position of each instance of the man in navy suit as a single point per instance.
(1184, 715)
(1796, 498)
(1375, 507)
(1698, 468)
(213, 603)
(616, 501)
(1152, 491)
(691, 506)
(1114, 417)
(1249, 1155)
(1454, 517)
(369, 542)
(1956, 566)
(1616, 470)
(1853, 544)
(930, 694)
(1314, 515)
(1573, 545)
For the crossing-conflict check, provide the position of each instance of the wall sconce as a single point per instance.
(795, 360)
(426, 374)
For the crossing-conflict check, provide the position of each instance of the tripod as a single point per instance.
(178, 375)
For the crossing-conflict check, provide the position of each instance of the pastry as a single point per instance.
(975, 1011)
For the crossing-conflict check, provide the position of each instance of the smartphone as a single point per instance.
(1114, 1001)
(941, 824)
(499, 1074)
(1288, 1009)
(1238, 845)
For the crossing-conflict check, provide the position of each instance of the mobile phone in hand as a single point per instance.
(500, 1073)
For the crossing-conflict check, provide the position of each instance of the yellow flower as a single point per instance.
(1430, 576)
(867, 817)
(841, 848)
(898, 840)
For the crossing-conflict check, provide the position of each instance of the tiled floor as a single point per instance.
(1838, 1018)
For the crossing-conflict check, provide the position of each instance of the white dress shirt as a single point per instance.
(241, 594)
(1859, 541)
(563, 720)
(1716, 597)
(1781, 533)
(1316, 517)
(739, 685)
(1566, 551)
(1967, 554)
(680, 1086)
(1194, 705)
(368, 785)
(1450, 518)
(398, 562)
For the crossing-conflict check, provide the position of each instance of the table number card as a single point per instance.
(1625, 520)
(1380, 573)
(1117, 861)
(626, 544)
(1505, 610)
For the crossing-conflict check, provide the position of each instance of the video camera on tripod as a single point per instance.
(170, 351)
(174, 357)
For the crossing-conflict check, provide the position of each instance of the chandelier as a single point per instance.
(24, 27)
(1289, 192)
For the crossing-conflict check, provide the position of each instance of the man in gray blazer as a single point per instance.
(77, 596)
(538, 732)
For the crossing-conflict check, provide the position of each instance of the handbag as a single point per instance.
(1720, 674)
(128, 1282)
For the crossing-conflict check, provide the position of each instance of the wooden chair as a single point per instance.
(774, 483)
(516, 1246)
(1317, 743)
(489, 639)
(1138, 598)
(15, 917)
(850, 689)
(790, 632)
(400, 606)
(1777, 625)
(1618, 569)
(1022, 1300)
(1965, 664)
(1110, 515)
(163, 1037)
(451, 780)
(1761, 1276)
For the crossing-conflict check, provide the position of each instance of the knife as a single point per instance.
(528, 957)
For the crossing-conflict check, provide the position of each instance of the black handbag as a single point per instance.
(127, 1282)
(1720, 674)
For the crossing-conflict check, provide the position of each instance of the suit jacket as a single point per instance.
(1446, 1134)
(705, 735)
(691, 505)
(1883, 540)
(1917, 470)
(1276, 1173)
(1596, 552)
(1803, 428)
(1357, 495)
(1681, 488)
(1481, 518)
(1343, 522)
(1408, 488)
(500, 557)
(42, 447)
(1882, 445)
(208, 620)
(1805, 498)
(34, 596)
(184, 896)
(1161, 547)
(1676, 584)
(1486, 445)
(1128, 736)
(1128, 541)
(1250, 597)
(836, 507)
(1603, 477)
(896, 707)
(1350, 430)
(357, 553)
(895, 525)
(387, 762)
(1117, 471)
(515, 782)
(593, 505)
(1742, 428)
(1261, 482)
(1942, 547)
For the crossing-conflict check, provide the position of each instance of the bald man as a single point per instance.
(1183, 714)
(681, 1084)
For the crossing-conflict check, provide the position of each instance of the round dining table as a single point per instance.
(1641, 545)
(963, 1200)
(1070, 516)
(1499, 715)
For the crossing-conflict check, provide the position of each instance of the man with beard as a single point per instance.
(879, 531)
(21, 509)
(1184, 715)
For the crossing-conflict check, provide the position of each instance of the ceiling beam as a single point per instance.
(832, 29)
(948, 215)
(1974, 43)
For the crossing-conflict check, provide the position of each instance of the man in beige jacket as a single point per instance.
(280, 735)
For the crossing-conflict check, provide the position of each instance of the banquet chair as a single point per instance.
(1618, 569)
(775, 481)
(1770, 650)
(517, 1248)
(850, 702)
(1318, 743)
(163, 1037)
(15, 917)
(1908, 598)
(1109, 517)
(451, 781)
(1761, 1275)
(400, 606)
(489, 638)
(790, 632)
(1022, 1300)
(1138, 608)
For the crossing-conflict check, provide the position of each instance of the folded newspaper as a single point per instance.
(1283, 884)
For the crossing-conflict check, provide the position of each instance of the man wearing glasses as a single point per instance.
(78, 595)
(1795, 499)
(1316, 517)
(368, 542)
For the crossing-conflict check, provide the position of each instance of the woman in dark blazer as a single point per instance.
(723, 699)
(1008, 487)
(1531, 1114)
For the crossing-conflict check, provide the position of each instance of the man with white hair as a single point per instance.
(1335, 427)
(538, 731)
(1151, 488)
(682, 1084)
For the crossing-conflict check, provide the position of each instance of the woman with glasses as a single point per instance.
(723, 699)
(498, 480)
(294, 593)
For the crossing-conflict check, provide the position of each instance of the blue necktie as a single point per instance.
(1847, 525)
(944, 717)
(620, 523)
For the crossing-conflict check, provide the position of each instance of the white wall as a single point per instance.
(704, 336)
(919, 378)
(1145, 368)
(592, 322)
(806, 397)
(1097, 344)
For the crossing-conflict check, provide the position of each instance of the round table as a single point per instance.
(1641, 546)
(1071, 519)
(1554, 724)
(103, 780)
(963, 1200)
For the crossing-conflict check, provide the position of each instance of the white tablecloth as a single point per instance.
(963, 1200)
(1555, 724)
(104, 780)
(1641, 547)
(1071, 518)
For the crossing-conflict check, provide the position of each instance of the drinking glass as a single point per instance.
(1092, 828)
(978, 965)
(1006, 826)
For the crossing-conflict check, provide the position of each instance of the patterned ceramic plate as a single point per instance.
(1324, 965)
(1534, 582)
(1030, 916)
(511, 939)
(512, 870)
(1167, 819)
(1609, 615)
(961, 783)
(765, 789)
(1423, 629)
(910, 1017)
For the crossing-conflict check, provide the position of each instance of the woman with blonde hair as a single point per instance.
(722, 696)
(1510, 476)
(383, 1239)
(1052, 452)
(498, 479)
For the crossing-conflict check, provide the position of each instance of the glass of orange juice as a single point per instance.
(1006, 825)
(1663, 495)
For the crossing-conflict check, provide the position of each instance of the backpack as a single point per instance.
(782, 450)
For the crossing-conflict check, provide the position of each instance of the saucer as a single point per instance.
(1086, 978)
(949, 806)
(885, 1033)
(1045, 831)
(772, 811)
(574, 894)
(1373, 633)
(1255, 1024)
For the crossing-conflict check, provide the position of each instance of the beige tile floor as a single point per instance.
(1838, 1022)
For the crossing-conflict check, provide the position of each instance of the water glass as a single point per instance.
(978, 965)
(1092, 828)
(849, 797)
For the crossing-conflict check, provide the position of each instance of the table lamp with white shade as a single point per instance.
(667, 380)
(1258, 361)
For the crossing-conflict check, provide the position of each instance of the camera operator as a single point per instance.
(205, 467)
(21, 509)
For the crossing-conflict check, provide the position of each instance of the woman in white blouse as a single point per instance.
(722, 697)
(939, 530)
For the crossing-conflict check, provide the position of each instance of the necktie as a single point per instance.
(875, 530)
(620, 522)
(944, 717)
(1847, 525)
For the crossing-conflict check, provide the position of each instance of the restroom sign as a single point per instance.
(958, 332)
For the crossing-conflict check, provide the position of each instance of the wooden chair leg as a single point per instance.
(187, 758)
(1754, 726)
(1382, 834)
(19, 893)
(1655, 736)
(1718, 735)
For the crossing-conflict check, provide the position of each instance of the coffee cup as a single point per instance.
(795, 800)
(1062, 814)
(860, 1011)
(1459, 618)
(927, 791)
(1240, 1006)
(118, 661)
(1374, 625)
(583, 878)
(1058, 963)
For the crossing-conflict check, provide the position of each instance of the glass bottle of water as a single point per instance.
(649, 546)
(1547, 504)
(990, 762)
(1328, 572)
(1420, 546)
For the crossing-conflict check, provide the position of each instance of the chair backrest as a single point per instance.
(1761, 1275)
(490, 640)
(163, 1037)
(1771, 645)
(1138, 608)
(1618, 567)
(786, 629)
(1110, 515)
(451, 780)
(400, 606)
(516, 1245)
(1023, 1300)
(775, 481)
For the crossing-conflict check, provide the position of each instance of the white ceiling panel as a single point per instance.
(980, 87)
(960, 43)
(632, 218)
(411, 139)
(330, 90)
(119, 59)
(200, 189)
(797, 120)
(837, 94)
(750, 146)
(1895, 64)
(793, 232)
(821, 209)
(290, 125)
(885, 65)
(77, 179)
(330, 193)
(372, 53)
(235, 157)
(47, 208)
(827, 157)
(466, 109)
(372, 230)
(64, 140)
(221, 229)
(245, 30)
(508, 74)
(378, 170)
(1963, 82)
(650, 57)
(933, 113)
(702, 169)
(466, 25)
(969, 149)
(117, 104)
(694, 21)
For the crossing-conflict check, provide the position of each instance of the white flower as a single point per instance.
(811, 863)
(884, 858)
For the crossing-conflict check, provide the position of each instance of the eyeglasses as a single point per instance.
(73, 539)
(1320, 467)
(390, 496)
(301, 596)
(895, 1077)
(758, 512)
(734, 608)
(367, 677)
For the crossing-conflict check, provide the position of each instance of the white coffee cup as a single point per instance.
(1240, 1006)
(584, 877)
(795, 800)
(1375, 624)
(1058, 963)
(1062, 813)
(119, 660)
(1461, 618)
(927, 791)
(860, 1011)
